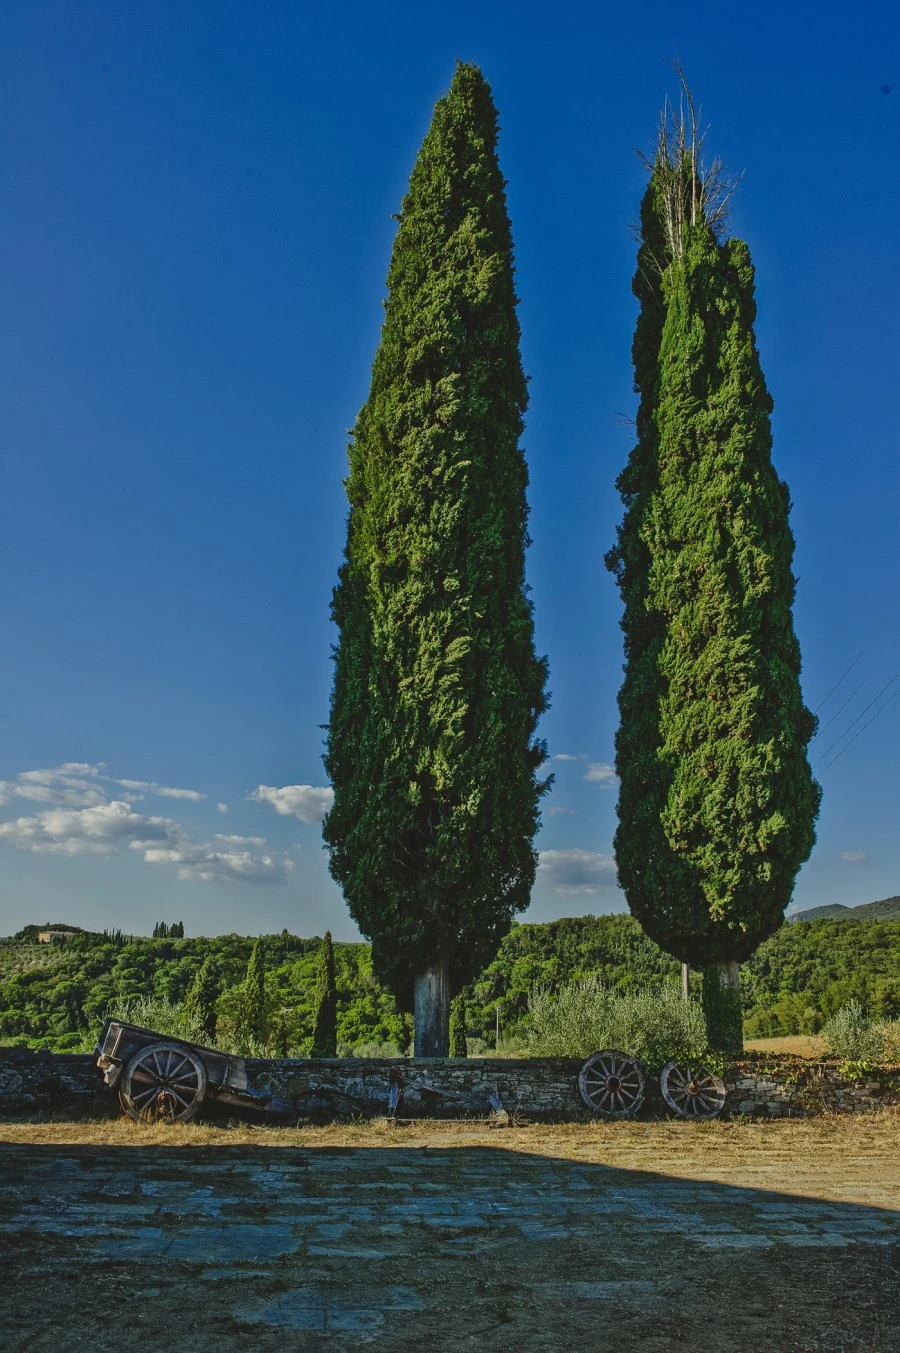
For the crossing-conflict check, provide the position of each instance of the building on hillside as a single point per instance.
(48, 936)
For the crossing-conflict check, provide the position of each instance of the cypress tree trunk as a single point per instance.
(722, 1006)
(432, 1011)
(437, 688)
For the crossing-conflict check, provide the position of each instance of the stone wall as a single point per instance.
(52, 1081)
(37, 1082)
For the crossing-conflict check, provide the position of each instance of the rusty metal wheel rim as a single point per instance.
(611, 1084)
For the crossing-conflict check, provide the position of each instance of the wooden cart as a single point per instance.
(168, 1078)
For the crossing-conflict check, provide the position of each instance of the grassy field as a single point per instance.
(800, 1045)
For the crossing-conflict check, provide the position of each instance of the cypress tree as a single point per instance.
(324, 1041)
(437, 689)
(458, 1046)
(717, 802)
(202, 997)
(254, 1015)
(281, 1036)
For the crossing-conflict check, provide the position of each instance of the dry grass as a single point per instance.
(831, 1155)
(800, 1045)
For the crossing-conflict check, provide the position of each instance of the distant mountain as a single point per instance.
(888, 909)
(833, 909)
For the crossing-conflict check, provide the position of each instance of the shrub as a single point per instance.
(892, 1041)
(384, 1048)
(163, 1017)
(852, 1035)
(585, 1017)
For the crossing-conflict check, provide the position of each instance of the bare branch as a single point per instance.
(690, 191)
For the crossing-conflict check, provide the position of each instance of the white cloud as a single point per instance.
(601, 773)
(86, 831)
(222, 808)
(165, 791)
(72, 785)
(80, 819)
(309, 803)
(576, 873)
(558, 808)
(567, 756)
(855, 856)
(206, 864)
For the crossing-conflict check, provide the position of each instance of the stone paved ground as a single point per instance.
(461, 1246)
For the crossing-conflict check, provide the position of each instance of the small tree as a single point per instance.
(717, 801)
(324, 1041)
(281, 1035)
(458, 1046)
(201, 999)
(254, 1011)
(437, 687)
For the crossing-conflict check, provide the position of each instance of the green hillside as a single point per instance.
(56, 995)
(888, 909)
(832, 909)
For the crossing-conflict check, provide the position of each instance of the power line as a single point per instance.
(862, 730)
(837, 683)
(858, 717)
(839, 711)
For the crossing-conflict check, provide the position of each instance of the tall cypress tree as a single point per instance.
(717, 802)
(437, 691)
(324, 1041)
(202, 997)
(458, 1045)
(254, 1010)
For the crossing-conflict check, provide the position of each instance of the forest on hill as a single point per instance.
(887, 909)
(56, 995)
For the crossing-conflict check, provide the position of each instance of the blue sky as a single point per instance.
(195, 235)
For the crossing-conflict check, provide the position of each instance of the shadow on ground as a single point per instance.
(222, 1249)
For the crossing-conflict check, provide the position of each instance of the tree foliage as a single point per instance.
(201, 1000)
(437, 689)
(458, 1045)
(56, 996)
(253, 1020)
(324, 1042)
(717, 801)
(164, 931)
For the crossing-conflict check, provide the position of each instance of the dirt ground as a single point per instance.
(624, 1236)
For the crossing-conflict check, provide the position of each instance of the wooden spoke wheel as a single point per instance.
(612, 1084)
(164, 1082)
(692, 1090)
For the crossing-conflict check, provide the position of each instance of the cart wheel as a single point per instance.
(612, 1084)
(692, 1090)
(163, 1083)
